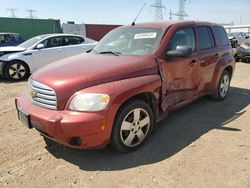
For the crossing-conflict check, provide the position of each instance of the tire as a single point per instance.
(133, 124)
(223, 87)
(16, 70)
(48, 142)
(236, 58)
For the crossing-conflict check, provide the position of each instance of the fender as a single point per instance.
(120, 91)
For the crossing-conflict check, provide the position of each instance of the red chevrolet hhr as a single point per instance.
(133, 77)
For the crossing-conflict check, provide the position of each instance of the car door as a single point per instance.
(208, 56)
(53, 50)
(180, 75)
(74, 45)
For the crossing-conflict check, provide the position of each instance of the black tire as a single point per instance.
(220, 95)
(120, 138)
(48, 142)
(16, 71)
(236, 58)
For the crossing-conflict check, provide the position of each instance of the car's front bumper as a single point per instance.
(66, 127)
(243, 53)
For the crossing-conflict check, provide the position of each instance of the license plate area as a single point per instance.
(24, 118)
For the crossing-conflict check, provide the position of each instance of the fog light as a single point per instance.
(75, 141)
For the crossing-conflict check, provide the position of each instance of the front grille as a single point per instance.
(42, 95)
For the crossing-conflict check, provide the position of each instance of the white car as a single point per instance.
(16, 63)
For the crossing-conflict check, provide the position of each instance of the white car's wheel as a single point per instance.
(16, 70)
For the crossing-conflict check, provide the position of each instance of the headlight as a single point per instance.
(244, 46)
(89, 102)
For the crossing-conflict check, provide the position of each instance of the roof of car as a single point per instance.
(164, 25)
(6, 33)
(59, 34)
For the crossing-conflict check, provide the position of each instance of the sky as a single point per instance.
(124, 11)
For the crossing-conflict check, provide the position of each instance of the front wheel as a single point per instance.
(16, 70)
(223, 86)
(133, 124)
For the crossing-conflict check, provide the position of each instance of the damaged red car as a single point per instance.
(132, 79)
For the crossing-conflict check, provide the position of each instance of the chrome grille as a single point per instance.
(42, 95)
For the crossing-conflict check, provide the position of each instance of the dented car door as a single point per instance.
(180, 75)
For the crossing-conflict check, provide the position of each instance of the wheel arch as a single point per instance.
(230, 70)
(147, 97)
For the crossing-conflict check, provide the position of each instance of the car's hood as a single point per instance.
(11, 49)
(72, 74)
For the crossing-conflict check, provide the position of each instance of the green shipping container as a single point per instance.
(28, 28)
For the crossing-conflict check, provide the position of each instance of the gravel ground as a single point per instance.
(205, 144)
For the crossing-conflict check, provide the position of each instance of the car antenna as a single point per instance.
(133, 23)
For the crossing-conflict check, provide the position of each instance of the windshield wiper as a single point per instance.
(110, 52)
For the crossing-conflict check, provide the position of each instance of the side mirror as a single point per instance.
(181, 51)
(40, 46)
(247, 37)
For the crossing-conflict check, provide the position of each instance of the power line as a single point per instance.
(158, 7)
(30, 13)
(12, 10)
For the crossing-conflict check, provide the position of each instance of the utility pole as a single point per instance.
(12, 10)
(30, 13)
(181, 13)
(158, 7)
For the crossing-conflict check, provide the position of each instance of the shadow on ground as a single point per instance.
(2, 80)
(173, 134)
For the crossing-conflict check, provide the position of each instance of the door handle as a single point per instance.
(26, 54)
(192, 63)
(59, 50)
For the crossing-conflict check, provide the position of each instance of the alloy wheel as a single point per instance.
(135, 127)
(224, 85)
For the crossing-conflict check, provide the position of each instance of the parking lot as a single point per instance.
(205, 144)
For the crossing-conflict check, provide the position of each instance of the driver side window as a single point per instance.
(182, 37)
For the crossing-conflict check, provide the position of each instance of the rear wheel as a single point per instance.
(16, 70)
(132, 126)
(223, 86)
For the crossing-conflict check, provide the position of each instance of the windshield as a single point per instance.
(130, 41)
(32, 41)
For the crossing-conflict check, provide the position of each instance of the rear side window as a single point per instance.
(205, 38)
(69, 40)
(220, 36)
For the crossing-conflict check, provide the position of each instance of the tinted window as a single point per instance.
(182, 37)
(205, 38)
(220, 36)
(53, 42)
(73, 40)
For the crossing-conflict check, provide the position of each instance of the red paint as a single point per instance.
(173, 82)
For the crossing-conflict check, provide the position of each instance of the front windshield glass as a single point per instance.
(32, 41)
(130, 41)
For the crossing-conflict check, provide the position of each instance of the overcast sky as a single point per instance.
(124, 11)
